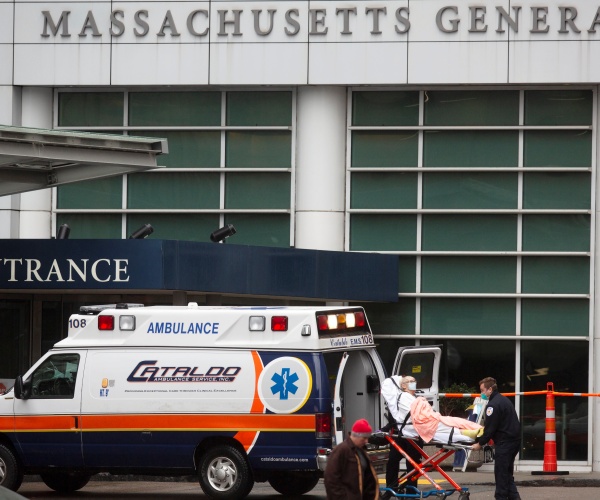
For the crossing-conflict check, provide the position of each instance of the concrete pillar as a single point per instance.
(320, 168)
(10, 114)
(35, 211)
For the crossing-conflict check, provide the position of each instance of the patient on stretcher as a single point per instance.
(416, 418)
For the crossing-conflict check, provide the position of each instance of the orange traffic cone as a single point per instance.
(550, 466)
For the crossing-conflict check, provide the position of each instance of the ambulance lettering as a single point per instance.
(183, 328)
(147, 371)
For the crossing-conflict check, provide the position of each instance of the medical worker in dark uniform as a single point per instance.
(503, 427)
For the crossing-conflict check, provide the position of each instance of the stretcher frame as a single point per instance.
(430, 463)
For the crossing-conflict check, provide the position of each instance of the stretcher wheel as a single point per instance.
(464, 496)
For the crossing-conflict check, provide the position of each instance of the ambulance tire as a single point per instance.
(224, 473)
(11, 473)
(293, 483)
(65, 482)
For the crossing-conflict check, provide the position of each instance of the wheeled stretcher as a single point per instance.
(428, 464)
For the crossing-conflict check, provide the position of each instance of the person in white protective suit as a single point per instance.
(416, 418)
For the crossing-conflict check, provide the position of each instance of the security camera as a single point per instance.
(222, 233)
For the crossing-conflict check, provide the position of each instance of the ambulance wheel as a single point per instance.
(11, 473)
(293, 483)
(224, 473)
(65, 482)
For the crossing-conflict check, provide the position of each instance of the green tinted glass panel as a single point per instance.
(393, 148)
(558, 107)
(470, 190)
(383, 232)
(185, 227)
(175, 108)
(556, 275)
(173, 190)
(392, 319)
(472, 107)
(383, 190)
(385, 108)
(467, 316)
(188, 148)
(558, 233)
(256, 149)
(257, 190)
(468, 275)
(558, 148)
(91, 226)
(456, 148)
(271, 230)
(90, 109)
(259, 108)
(557, 190)
(470, 232)
(555, 317)
(100, 193)
(407, 272)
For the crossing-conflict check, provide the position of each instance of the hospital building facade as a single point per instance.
(460, 137)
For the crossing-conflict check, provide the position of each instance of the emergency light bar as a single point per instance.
(106, 322)
(340, 321)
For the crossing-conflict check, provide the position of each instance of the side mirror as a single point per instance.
(22, 388)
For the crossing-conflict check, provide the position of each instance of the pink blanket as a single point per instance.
(425, 420)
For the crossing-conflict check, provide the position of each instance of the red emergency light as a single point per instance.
(279, 323)
(106, 322)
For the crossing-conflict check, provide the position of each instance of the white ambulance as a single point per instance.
(232, 394)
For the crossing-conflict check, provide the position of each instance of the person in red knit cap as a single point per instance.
(349, 474)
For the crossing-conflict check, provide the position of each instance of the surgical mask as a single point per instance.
(484, 396)
(412, 386)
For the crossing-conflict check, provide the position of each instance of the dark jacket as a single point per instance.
(501, 421)
(344, 479)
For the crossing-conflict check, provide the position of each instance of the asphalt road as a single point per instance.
(135, 490)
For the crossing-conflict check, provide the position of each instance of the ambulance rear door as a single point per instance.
(423, 363)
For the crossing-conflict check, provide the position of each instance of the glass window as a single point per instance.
(471, 107)
(558, 107)
(185, 227)
(271, 230)
(384, 148)
(469, 232)
(472, 148)
(443, 316)
(174, 190)
(407, 274)
(188, 148)
(385, 108)
(259, 149)
(175, 108)
(557, 190)
(90, 109)
(559, 233)
(383, 232)
(15, 318)
(52, 324)
(257, 190)
(459, 357)
(91, 226)
(388, 348)
(464, 190)
(558, 148)
(384, 190)
(55, 378)
(566, 365)
(564, 317)
(556, 275)
(392, 319)
(98, 193)
(259, 108)
(468, 274)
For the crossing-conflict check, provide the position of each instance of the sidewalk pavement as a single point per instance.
(579, 479)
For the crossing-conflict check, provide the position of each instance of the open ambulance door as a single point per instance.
(356, 391)
(423, 363)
